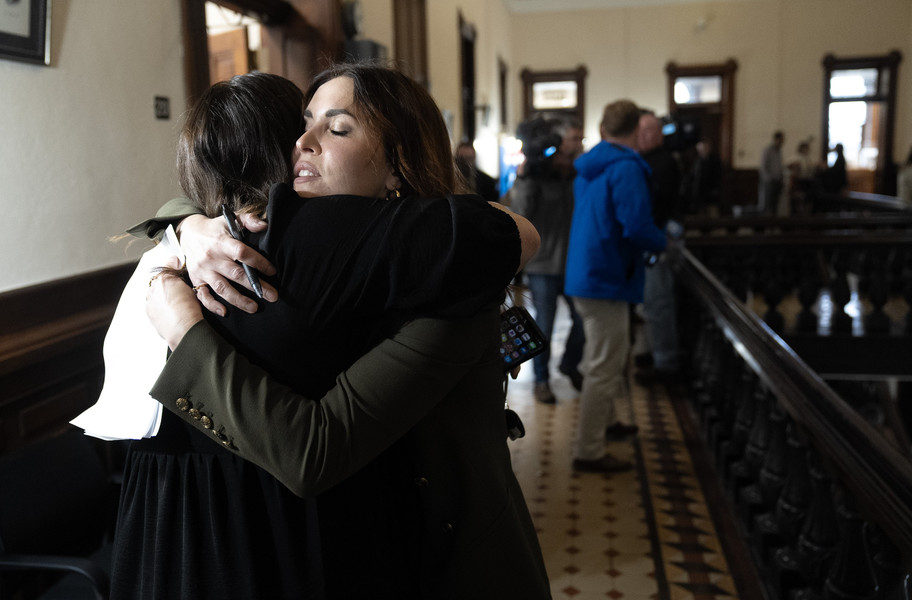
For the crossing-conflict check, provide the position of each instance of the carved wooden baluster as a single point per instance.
(801, 565)
(740, 280)
(703, 356)
(732, 448)
(893, 578)
(781, 526)
(760, 496)
(773, 296)
(720, 417)
(744, 471)
(840, 294)
(712, 377)
(877, 322)
(808, 293)
(851, 573)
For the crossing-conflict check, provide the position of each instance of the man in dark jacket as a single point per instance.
(659, 302)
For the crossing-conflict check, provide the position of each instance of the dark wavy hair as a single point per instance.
(408, 122)
(238, 140)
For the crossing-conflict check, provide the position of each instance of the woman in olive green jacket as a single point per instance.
(443, 518)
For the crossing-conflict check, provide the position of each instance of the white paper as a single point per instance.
(134, 355)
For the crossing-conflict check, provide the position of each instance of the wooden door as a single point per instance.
(229, 55)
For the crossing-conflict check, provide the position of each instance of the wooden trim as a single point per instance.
(726, 71)
(529, 78)
(887, 68)
(196, 48)
(878, 475)
(51, 365)
(410, 39)
(268, 12)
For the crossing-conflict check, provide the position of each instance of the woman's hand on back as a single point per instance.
(212, 262)
(172, 307)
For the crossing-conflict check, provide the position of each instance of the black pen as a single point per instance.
(252, 276)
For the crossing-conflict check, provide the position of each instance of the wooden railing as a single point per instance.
(824, 496)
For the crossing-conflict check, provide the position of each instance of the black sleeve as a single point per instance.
(443, 257)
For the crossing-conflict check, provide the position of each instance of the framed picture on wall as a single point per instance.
(25, 30)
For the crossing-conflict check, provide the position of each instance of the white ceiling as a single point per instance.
(528, 6)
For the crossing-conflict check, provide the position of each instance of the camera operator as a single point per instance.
(543, 193)
(662, 364)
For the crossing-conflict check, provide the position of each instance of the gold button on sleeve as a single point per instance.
(183, 404)
(195, 414)
(206, 421)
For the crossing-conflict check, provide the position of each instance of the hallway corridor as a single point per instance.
(643, 534)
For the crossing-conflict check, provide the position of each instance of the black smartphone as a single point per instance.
(520, 337)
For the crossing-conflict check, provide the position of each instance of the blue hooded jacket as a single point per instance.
(612, 225)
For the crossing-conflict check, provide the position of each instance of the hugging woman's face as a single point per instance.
(337, 154)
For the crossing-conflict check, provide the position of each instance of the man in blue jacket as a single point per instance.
(611, 233)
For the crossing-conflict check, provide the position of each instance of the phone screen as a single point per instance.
(520, 337)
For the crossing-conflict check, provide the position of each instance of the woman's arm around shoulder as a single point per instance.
(311, 445)
(528, 235)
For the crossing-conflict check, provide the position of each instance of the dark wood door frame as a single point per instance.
(726, 105)
(887, 68)
(302, 37)
(578, 75)
(467, 37)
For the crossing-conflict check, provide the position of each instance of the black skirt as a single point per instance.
(196, 521)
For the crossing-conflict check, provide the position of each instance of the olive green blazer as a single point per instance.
(438, 384)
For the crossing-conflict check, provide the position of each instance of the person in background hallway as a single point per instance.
(612, 229)
(543, 193)
(803, 174)
(772, 175)
(904, 181)
(383, 533)
(706, 180)
(478, 181)
(659, 293)
(836, 177)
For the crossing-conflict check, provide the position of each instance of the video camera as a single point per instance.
(540, 141)
(680, 132)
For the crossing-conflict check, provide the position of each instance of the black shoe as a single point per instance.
(619, 431)
(652, 376)
(576, 378)
(544, 394)
(605, 464)
(643, 361)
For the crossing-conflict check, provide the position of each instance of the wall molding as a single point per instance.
(51, 365)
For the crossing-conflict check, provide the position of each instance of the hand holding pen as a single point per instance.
(235, 232)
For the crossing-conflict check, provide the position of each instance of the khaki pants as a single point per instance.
(603, 399)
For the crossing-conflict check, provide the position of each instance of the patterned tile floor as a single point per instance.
(646, 533)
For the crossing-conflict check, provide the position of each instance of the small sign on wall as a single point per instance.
(162, 107)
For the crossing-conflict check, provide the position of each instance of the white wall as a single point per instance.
(493, 40)
(82, 156)
(778, 44)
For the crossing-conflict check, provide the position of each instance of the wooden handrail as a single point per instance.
(864, 200)
(877, 474)
(698, 226)
(822, 238)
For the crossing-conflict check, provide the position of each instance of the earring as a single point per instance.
(393, 195)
